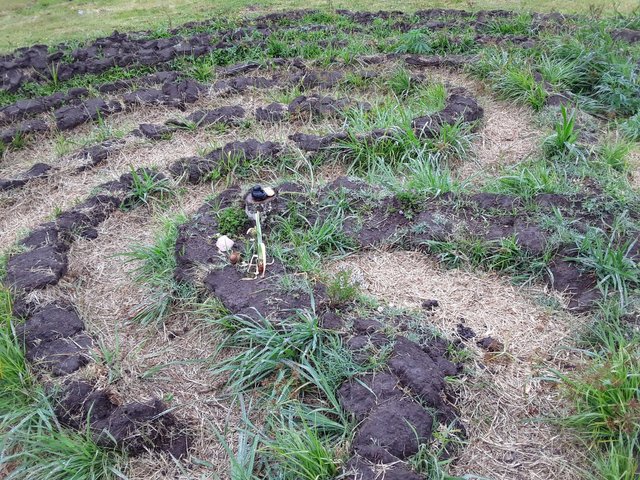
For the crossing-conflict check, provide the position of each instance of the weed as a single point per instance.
(631, 127)
(619, 461)
(611, 260)
(147, 186)
(428, 460)
(614, 155)
(563, 142)
(519, 84)
(415, 42)
(306, 245)
(605, 394)
(264, 347)
(155, 268)
(519, 25)
(400, 83)
(341, 289)
(231, 220)
(301, 453)
(60, 455)
(532, 178)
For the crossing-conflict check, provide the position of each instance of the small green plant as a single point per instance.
(618, 461)
(341, 289)
(563, 143)
(519, 25)
(415, 42)
(615, 155)
(155, 266)
(60, 454)
(606, 394)
(429, 462)
(611, 260)
(147, 186)
(631, 127)
(301, 453)
(264, 347)
(231, 220)
(400, 83)
(519, 84)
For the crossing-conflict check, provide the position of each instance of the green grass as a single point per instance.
(265, 347)
(605, 395)
(231, 220)
(154, 267)
(302, 454)
(32, 443)
(609, 257)
(147, 188)
(23, 23)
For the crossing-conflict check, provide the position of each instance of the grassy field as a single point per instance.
(25, 22)
(454, 229)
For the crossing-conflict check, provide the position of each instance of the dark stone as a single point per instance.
(360, 342)
(196, 168)
(154, 132)
(134, 426)
(187, 91)
(464, 332)
(238, 69)
(223, 115)
(626, 34)
(430, 305)
(79, 402)
(63, 355)
(37, 268)
(557, 100)
(495, 201)
(38, 170)
(45, 234)
(97, 154)
(459, 108)
(423, 373)
(361, 394)
(581, 286)
(258, 193)
(359, 468)
(90, 213)
(490, 344)
(398, 427)
(435, 61)
(308, 79)
(330, 320)
(274, 112)
(319, 106)
(261, 296)
(367, 326)
(50, 323)
(315, 143)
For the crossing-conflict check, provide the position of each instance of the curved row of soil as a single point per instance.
(393, 423)
(56, 342)
(41, 63)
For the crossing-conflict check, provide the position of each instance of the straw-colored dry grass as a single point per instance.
(503, 398)
(499, 398)
(169, 362)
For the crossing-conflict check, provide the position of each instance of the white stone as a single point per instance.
(224, 244)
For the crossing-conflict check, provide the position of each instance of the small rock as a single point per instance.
(490, 344)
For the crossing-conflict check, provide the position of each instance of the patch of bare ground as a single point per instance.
(167, 361)
(502, 397)
(507, 134)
